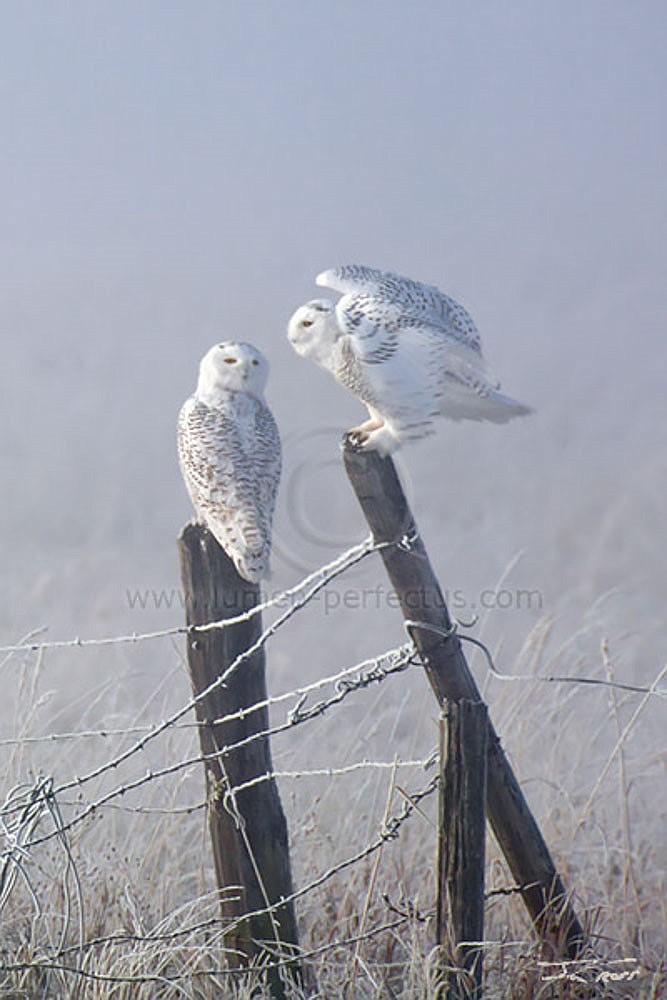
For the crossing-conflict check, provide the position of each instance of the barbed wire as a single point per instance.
(345, 682)
(389, 831)
(500, 675)
(334, 772)
(85, 734)
(108, 733)
(195, 724)
(320, 579)
(315, 580)
(319, 772)
(363, 675)
(28, 806)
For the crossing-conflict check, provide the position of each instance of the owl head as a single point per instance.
(313, 329)
(232, 365)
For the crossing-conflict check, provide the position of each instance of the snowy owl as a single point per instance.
(229, 453)
(405, 349)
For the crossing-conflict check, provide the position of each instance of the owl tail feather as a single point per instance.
(494, 406)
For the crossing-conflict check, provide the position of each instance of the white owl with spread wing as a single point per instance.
(229, 453)
(408, 351)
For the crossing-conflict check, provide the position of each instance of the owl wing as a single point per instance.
(267, 460)
(222, 482)
(415, 346)
(409, 303)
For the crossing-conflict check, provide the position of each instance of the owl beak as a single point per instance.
(296, 336)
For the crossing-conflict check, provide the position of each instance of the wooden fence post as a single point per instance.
(461, 836)
(382, 499)
(248, 831)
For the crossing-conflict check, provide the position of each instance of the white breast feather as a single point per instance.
(230, 459)
(418, 350)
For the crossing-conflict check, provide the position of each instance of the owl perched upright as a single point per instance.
(406, 350)
(229, 453)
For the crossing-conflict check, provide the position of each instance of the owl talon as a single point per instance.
(372, 436)
(355, 440)
(404, 349)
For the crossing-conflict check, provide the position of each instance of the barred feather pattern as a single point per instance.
(407, 350)
(230, 458)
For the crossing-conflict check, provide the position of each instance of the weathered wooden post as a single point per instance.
(248, 833)
(461, 836)
(379, 492)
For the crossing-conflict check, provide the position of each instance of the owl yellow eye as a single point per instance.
(230, 361)
(306, 322)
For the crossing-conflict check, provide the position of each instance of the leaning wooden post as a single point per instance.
(248, 830)
(461, 835)
(379, 492)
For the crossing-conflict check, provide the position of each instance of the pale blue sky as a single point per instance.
(173, 173)
(169, 135)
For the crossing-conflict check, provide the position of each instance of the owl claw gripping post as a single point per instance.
(406, 350)
(229, 453)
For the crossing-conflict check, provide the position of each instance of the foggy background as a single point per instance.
(175, 174)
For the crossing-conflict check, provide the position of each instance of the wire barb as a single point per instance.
(41, 813)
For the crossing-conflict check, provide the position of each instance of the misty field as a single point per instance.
(177, 174)
(110, 891)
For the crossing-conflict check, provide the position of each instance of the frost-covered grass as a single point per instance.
(127, 898)
(567, 508)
